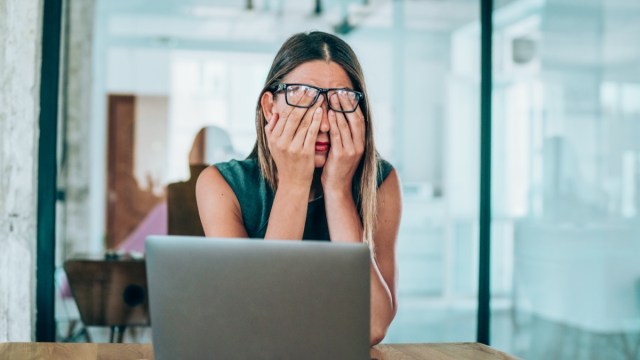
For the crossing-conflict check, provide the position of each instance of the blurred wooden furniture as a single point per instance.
(110, 292)
(128, 202)
(66, 351)
(183, 215)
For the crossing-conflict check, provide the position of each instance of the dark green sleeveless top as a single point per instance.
(255, 197)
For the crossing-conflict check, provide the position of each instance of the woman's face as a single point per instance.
(321, 74)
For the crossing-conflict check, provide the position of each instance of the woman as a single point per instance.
(314, 172)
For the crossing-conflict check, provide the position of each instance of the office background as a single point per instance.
(565, 149)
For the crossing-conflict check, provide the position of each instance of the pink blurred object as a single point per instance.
(155, 223)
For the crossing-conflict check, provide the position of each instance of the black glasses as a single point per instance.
(304, 96)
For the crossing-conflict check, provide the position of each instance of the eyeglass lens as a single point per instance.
(304, 96)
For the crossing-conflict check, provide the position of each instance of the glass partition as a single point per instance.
(566, 173)
(151, 88)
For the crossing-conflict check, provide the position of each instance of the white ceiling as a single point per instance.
(228, 25)
(272, 20)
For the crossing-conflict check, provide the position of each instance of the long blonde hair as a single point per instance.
(316, 45)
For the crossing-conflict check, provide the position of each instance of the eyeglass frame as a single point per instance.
(283, 87)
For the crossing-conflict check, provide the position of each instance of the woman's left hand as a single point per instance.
(347, 136)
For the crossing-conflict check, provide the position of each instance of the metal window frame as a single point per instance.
(483, 330)
(47, 171)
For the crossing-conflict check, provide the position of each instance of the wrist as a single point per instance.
(338, 193)
(340, 187)
(294, 187)
(298, 180)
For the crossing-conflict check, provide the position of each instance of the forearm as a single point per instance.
(383, 308)
(345, 226)
(342, 217)
(288, 213)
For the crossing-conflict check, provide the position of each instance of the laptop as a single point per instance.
(253, 299)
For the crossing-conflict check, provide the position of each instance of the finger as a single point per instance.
(335, 102)
(289, 118)
(298, 140)
(268, 129)
(291, 103)
(271, 123)
(334, 132)
(345, 133)
(282, 121)
(355, 120)
(340, 119)
(293, 121)
(346, 103)
(295, 113)
(304, 123)
(312, 133)
(287, 110)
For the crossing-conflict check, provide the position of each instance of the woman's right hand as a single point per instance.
(291, 137)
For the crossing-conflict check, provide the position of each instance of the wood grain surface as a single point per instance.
(84, 351)
(75, 351)
(446, 351)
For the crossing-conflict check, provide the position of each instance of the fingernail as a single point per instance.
(318, 110)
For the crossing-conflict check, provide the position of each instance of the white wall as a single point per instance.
(151, 142)
(73, 215)
(20, 43)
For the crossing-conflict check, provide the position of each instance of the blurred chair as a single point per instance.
(212, 144)
(183, 215)
(110, 292)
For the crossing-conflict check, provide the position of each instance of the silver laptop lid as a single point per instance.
(254, 299)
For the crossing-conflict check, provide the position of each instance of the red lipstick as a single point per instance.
(322, 146)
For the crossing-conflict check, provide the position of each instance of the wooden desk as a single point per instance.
(95, 351)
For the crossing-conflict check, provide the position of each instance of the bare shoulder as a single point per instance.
(210, 178)
(389, 199)
(390, 187)
(218, 205)
(212, 185)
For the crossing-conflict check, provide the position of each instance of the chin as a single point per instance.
(320, 160)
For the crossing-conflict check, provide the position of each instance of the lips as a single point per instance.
(322, 146)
